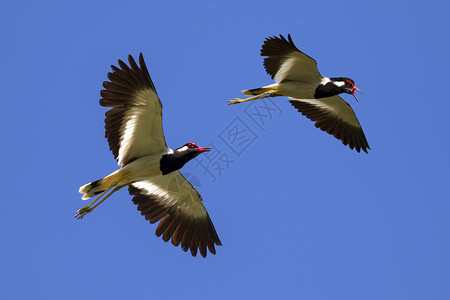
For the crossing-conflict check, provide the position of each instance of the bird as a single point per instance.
(317, 97)
(150, 169)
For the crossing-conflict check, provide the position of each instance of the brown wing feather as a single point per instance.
(183, 220)
(350, 134)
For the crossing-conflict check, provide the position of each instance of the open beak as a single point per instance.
(353, 92)
(204, 149)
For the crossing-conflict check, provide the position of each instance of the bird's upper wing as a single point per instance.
(174, 201)
(335, 116)
(284, 62)
(134, 124)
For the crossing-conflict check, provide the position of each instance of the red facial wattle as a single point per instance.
(192, 145)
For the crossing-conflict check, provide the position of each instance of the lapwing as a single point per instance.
(315, 96)
(148, 167)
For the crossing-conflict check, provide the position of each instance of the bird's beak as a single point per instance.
(204, 149)
(353, 92)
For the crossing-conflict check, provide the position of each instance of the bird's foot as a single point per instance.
(235, 100)
(82, 212)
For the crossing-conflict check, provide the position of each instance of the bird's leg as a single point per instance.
(266, 94)
(87, 209)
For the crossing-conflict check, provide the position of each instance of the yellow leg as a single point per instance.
(266, 94)
(87, 209)
(98, 197)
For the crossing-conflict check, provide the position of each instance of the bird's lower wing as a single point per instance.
(173, 201)
(336, 117)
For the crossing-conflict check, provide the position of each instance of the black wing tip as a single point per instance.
(198, 237)
(127, 79)
(366, 148)
(277, 43)
(131, 70)
(280, 37)
(358, 146)
(356, 140)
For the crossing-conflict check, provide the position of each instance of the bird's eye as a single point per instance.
(347, 82)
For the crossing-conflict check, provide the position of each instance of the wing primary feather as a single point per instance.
(202, 245)
(158, 214)
(168, 233)
(178, 234)
(186, 239)
(162, 226)
(145, 71)
(194, 239)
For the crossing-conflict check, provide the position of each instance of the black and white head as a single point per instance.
(177, 158)
(345, 85)
(191, 150)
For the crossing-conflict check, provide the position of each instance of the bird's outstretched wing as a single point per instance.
(284, 62)
(133, 126)
(335, 116)
(173, 201)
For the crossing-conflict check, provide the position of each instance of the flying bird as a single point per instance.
(315, 96)
(148, 167)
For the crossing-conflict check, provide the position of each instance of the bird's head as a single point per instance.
(191, 150)
(346, 85)
(176, 159)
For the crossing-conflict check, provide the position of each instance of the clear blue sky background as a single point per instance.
(300, 215)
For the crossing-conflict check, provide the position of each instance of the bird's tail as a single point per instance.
(96, 187)
(257, 91)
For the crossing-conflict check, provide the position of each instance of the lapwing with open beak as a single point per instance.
(148, 167)
(315, 96)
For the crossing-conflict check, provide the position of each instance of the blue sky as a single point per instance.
(300, 216)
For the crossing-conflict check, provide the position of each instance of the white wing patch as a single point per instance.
(147, 186)
(127, 138)
(142, 133)
(337, 106)
(141, 98)
(322, 105)
(285, 69)
(174, 189)
(164, 197)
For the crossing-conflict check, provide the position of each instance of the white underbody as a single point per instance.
(144, 168)
(141, 169)
(296, 89)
